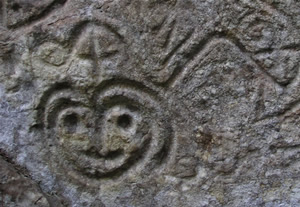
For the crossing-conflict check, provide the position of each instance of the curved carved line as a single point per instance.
(32, 19)
(114, 25)
(115, 173)
(126, 87)
(81, 27)
(176, 48)
(58, 105)
(40, 107)
(126, 83)
(205, 44)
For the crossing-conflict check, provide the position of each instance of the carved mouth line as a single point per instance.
(111, 155)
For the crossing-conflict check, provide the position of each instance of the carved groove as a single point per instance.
(45, 12)
(81, 35)
(120, 127)
(175, 48)
(204, 45)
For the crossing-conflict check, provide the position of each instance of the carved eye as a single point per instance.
(74, 121)
(70, 123)
(132, 126)
(68, 116)
(124, 121)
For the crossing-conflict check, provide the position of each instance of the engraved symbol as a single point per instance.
(97, 50)
(117, 129)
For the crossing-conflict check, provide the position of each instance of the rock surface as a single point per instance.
(149, 103)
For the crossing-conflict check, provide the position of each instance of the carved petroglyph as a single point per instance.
(112, 133)
(220, 89)
(165, 40)
(95, 50)
(121, 128)
(148, 103)
(103, 46)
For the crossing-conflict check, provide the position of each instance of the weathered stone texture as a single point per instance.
(149, 103)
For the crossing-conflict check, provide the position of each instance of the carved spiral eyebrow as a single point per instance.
(56, 98)
(60, 101)
(114, 26)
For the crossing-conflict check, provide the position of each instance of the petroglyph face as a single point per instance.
(98, 127)
(108, 134)
(108, 111)
(152, 103)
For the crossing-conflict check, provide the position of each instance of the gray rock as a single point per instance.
(149, 103)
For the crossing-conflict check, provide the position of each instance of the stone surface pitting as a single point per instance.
(20, 12)
(150, 103)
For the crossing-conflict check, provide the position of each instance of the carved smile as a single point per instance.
(122, 128)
